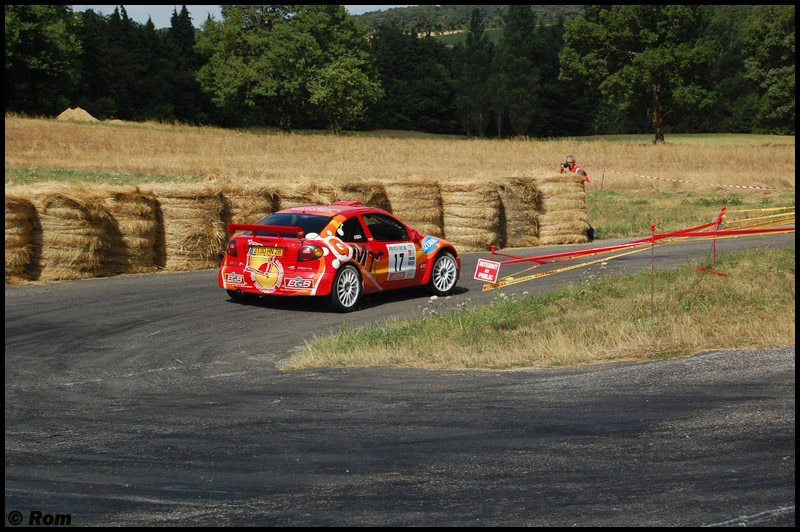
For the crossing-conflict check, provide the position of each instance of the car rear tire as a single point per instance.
(346, 289)
(444, 275)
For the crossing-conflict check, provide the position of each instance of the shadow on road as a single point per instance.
(318, 304)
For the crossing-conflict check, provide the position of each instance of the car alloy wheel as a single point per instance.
(445, 273)
(346, 289)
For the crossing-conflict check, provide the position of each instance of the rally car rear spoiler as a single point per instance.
(256, 228)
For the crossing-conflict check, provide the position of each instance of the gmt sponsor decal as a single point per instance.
(363, 256)
(429, 244)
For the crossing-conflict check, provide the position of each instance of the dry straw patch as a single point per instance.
(562, 211)
(74, 234)
(21, 220)
(76, 114)
(471, 214)
(306, 192)
(369, 193)
(519, 198)
(191, 216)
(249, 201)
(418, 203)
(195, 151)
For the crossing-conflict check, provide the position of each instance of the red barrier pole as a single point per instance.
(652, 267)
(714, 247)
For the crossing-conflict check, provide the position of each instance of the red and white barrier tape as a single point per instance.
(692, 182)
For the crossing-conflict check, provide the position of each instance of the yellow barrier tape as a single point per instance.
(784, 214)
(764, 210)
(508, 282)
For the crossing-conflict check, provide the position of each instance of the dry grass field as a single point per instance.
(145, 151)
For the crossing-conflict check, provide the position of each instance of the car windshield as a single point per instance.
(309, 223)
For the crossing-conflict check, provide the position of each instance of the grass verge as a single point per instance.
(29, 176)
(629, 213)
(606, 319)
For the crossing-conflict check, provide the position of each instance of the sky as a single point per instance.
(162, 13)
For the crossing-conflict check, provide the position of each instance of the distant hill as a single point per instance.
(448, 18)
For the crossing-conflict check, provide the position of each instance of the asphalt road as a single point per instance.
(155, 399)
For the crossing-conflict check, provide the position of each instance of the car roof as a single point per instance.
(330, 210)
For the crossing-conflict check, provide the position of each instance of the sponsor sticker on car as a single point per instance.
(298, 283)
(234, 278)
(429, 244)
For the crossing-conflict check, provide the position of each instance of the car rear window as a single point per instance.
(308, 222)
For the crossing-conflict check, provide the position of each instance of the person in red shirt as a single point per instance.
(574, 168)
(570, 165)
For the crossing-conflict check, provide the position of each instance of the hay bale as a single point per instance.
(21, 220)
(519, 200)
(248, 202)
(306, 193)
(134, 231)
(74, 233)
(417, 203)
(76, 115)
(562, 210)
(471, 214)
(370, 193)
(193, 234)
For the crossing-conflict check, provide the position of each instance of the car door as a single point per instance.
(397, 254)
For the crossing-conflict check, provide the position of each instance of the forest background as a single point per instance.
(485, 71)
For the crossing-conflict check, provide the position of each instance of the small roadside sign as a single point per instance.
(487, 271)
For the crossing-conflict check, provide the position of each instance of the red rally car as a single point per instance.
(340, 251)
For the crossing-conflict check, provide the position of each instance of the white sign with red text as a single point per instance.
(487, 271)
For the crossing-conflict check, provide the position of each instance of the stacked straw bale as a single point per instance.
(562, 210)
(248, 202)
(369, 193)
(471, 214)
(74, 233)
(194, 233)
(417, 203)
(134, 229)
(519, 199)
(21, 220)
(306, 193)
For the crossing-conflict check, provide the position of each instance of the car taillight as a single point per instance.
(307, 253)
(232, 248)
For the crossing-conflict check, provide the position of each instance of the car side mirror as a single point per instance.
(415, 236)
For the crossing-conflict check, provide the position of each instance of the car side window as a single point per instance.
(351, 231)
(385, 229)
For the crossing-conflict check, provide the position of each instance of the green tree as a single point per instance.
(342, 91)
(770, 63)
(473, 98)
(42, 58)
(261, 59)
(416, 75)
(652, 58)
(519, 68)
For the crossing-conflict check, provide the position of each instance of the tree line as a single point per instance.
(608, 69)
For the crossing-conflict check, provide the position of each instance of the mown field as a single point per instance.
(619, 204)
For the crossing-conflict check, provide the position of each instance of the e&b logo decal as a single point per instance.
(298, 283)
